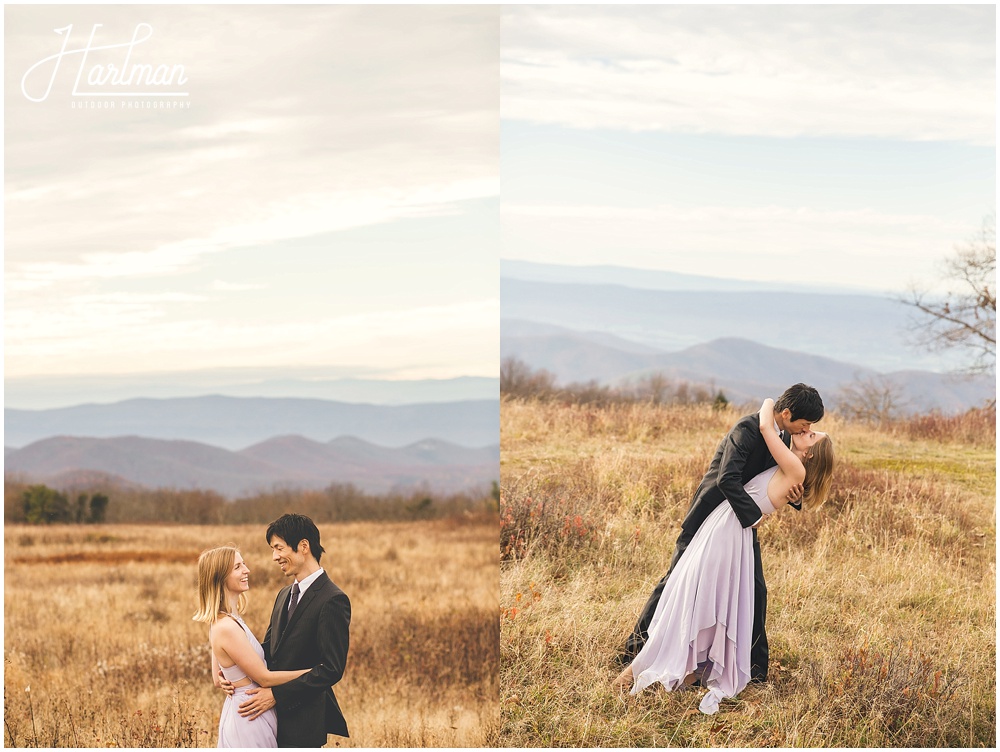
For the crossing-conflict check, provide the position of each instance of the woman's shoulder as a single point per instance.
(227, 624)
(781, 475)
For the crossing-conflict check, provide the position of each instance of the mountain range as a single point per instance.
(280, 462)
(654, 279)
(43, 392)
(751, 339)
(235, 423)
(868, 330)
(745, 371)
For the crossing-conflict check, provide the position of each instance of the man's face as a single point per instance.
(798, 426)
(785, 422)
(289, 559)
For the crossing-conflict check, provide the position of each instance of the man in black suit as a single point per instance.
(309, 629)
(741, 455)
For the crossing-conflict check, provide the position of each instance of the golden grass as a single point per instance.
(100, 649)
(881, 605)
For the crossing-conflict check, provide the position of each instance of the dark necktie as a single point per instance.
(294, 600)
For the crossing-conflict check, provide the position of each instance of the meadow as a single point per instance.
(881, 604)
(100, 649)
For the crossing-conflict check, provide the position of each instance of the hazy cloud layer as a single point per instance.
(303, 121)
(771, 243)
(848, 144)
(901, 72)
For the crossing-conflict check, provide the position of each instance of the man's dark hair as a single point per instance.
(294, 528)
(803, 401)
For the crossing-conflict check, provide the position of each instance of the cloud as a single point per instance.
(440, 341)
(347, 112)
(304, 216)
(906, 72)
(220, 285)
(303, 121)
(858, 248)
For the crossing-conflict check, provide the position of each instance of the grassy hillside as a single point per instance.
(881, 605)
(100, 649)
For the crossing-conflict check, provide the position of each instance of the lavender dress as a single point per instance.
(234, 729)
(703, 622)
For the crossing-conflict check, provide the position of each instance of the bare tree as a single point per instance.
(873, 399)
(654, 387)
(518, 380)
(514, 375)
(966, 317)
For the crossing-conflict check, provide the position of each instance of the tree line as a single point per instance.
(39, 504)
(517, 379)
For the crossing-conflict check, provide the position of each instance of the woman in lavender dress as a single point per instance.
(223, 580)
(703, 623)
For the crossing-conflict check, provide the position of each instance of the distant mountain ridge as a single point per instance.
(280, 462)
(238, 422)
(655, 279)
(868, 330)
(47, 392)
(744, 370)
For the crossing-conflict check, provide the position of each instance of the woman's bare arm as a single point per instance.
(229, 639)
(788, 463)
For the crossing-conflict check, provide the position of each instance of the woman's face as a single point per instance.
(802, 443)
(238, 580)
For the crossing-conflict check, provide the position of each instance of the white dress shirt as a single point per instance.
(304, 584)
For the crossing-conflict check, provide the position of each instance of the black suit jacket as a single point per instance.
(741, 455)
(317, 637)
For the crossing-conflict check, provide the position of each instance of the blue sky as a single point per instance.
(327, 200)
(852, 145)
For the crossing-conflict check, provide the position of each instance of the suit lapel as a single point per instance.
(280, 607)
(300, 608)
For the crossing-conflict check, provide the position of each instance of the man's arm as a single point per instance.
(737, 447)
(333, 636)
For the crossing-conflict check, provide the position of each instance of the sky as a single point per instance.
(848, 145)
(332, 193)
(315, 191)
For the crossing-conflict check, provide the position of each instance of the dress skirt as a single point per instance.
(703, 623)
(236, 731)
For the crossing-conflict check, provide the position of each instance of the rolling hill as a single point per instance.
(744, 370)
(285, 461)
(867, 330)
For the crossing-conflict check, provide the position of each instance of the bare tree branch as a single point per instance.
(965, 317)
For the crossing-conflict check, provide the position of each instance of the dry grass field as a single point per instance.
(100, 649)
(881, 605)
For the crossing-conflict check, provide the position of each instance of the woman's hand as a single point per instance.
(224, 684)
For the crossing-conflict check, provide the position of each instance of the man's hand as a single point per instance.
(224, 684)
(794, 493)
(263, 699)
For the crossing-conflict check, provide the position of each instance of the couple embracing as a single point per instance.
(279, 693)
(703, 625)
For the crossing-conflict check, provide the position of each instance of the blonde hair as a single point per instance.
(819, 474)
(214, 566)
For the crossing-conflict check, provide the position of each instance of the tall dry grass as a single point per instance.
(100, 649)
(881, 605)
